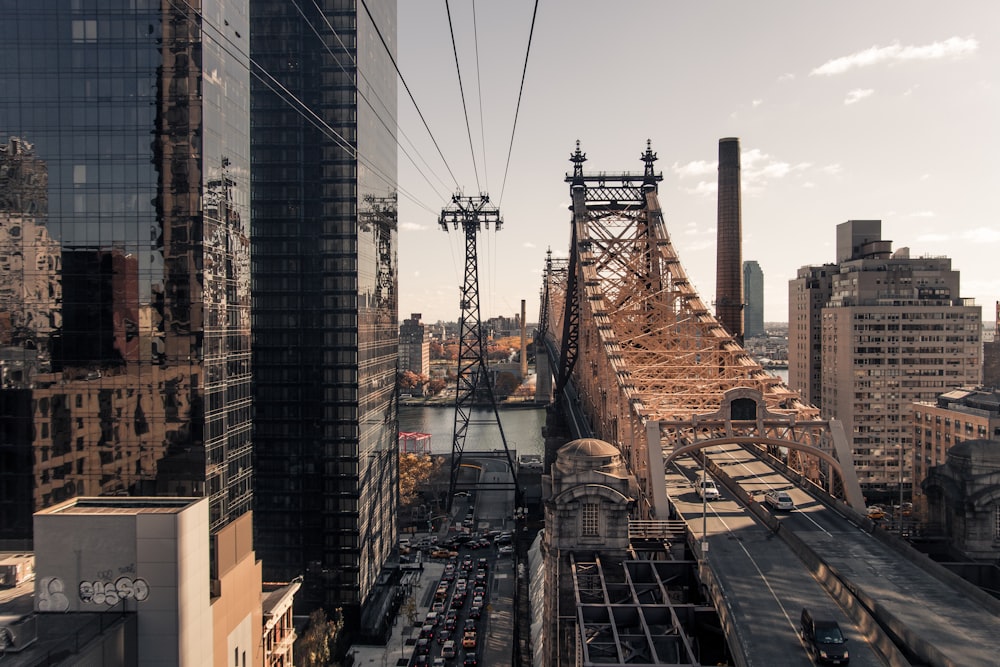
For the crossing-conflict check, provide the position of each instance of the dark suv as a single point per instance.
(824, 639)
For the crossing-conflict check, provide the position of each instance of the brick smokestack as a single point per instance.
(729, 258)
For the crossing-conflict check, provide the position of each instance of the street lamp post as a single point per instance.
(704, 510)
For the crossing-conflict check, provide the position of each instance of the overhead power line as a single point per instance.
(312, 117)
(517, 111)
(461, 89)
(416, 106)
(479, 87)
(361, 94)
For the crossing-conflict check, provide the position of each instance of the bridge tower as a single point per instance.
(473, 385)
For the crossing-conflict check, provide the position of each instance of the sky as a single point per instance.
(847, 110)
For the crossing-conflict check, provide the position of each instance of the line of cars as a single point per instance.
(465, 579)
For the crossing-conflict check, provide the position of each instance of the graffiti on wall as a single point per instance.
(111, 593)
(51, 595)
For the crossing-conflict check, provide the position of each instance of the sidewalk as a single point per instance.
(397, 652)
(499, 644)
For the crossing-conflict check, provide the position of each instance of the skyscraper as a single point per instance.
(885, 330)
(414, 346)
(126, 188)
(325, 305)
(753, 299)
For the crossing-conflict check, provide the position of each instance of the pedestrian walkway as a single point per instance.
(499, 642)
(399, 649)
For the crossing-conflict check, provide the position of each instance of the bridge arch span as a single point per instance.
(742, 440)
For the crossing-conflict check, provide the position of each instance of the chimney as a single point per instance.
(729, 257)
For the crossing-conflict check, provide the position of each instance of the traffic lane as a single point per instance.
(464, 610)
(765, 582)
(756, 477)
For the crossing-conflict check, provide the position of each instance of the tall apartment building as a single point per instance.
(885, 330)
(953, 417)
(414, 346)
(125, 260)
(991, 354)
(131, 320)
(807, 294)
(753, 299)
(326, 328)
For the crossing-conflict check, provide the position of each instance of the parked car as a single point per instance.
(506, 550)
(779, 500)
(824, 639)
(707, 489)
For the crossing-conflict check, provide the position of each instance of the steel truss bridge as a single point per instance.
(655, 370)
(640, 362)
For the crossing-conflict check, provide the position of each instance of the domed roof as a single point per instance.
(588, 448)
(587, 454)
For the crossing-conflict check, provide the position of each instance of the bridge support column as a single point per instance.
(543, 376)
(842, 449)
(657, 483)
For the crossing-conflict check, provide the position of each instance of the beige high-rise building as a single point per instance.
(892, 329)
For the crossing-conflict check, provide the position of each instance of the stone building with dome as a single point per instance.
(586, 499)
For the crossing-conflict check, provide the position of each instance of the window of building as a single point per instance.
(590, 525)
(996, 522)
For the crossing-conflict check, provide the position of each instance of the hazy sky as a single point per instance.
(845, 110)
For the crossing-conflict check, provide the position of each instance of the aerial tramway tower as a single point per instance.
(473, 385)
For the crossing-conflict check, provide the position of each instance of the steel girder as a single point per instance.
(647, 347)
(473, 382)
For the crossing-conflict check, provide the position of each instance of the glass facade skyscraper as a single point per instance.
(124, 254)
(325, 322)
(753, 300)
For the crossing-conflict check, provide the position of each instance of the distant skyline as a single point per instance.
(844, 111)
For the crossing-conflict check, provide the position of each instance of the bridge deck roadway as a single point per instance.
(936, 623)
(764, 583)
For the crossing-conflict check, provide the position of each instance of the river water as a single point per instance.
(521, 426)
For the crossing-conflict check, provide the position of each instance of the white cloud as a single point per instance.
(809, 185)
(982, 235)
(922, 214)
(758, 168)
(833, 169)
(953, 47)
(857, 95)
(695, 168)
(933, 238)
(704, 188)
(757, 103)
(528, 244)
(412, 227)
(563, 205)
(787, 76)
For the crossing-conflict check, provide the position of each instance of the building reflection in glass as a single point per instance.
(124, 255)
(325, 321)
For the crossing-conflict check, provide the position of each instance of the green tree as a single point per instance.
(315, 649)
(414, 471)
